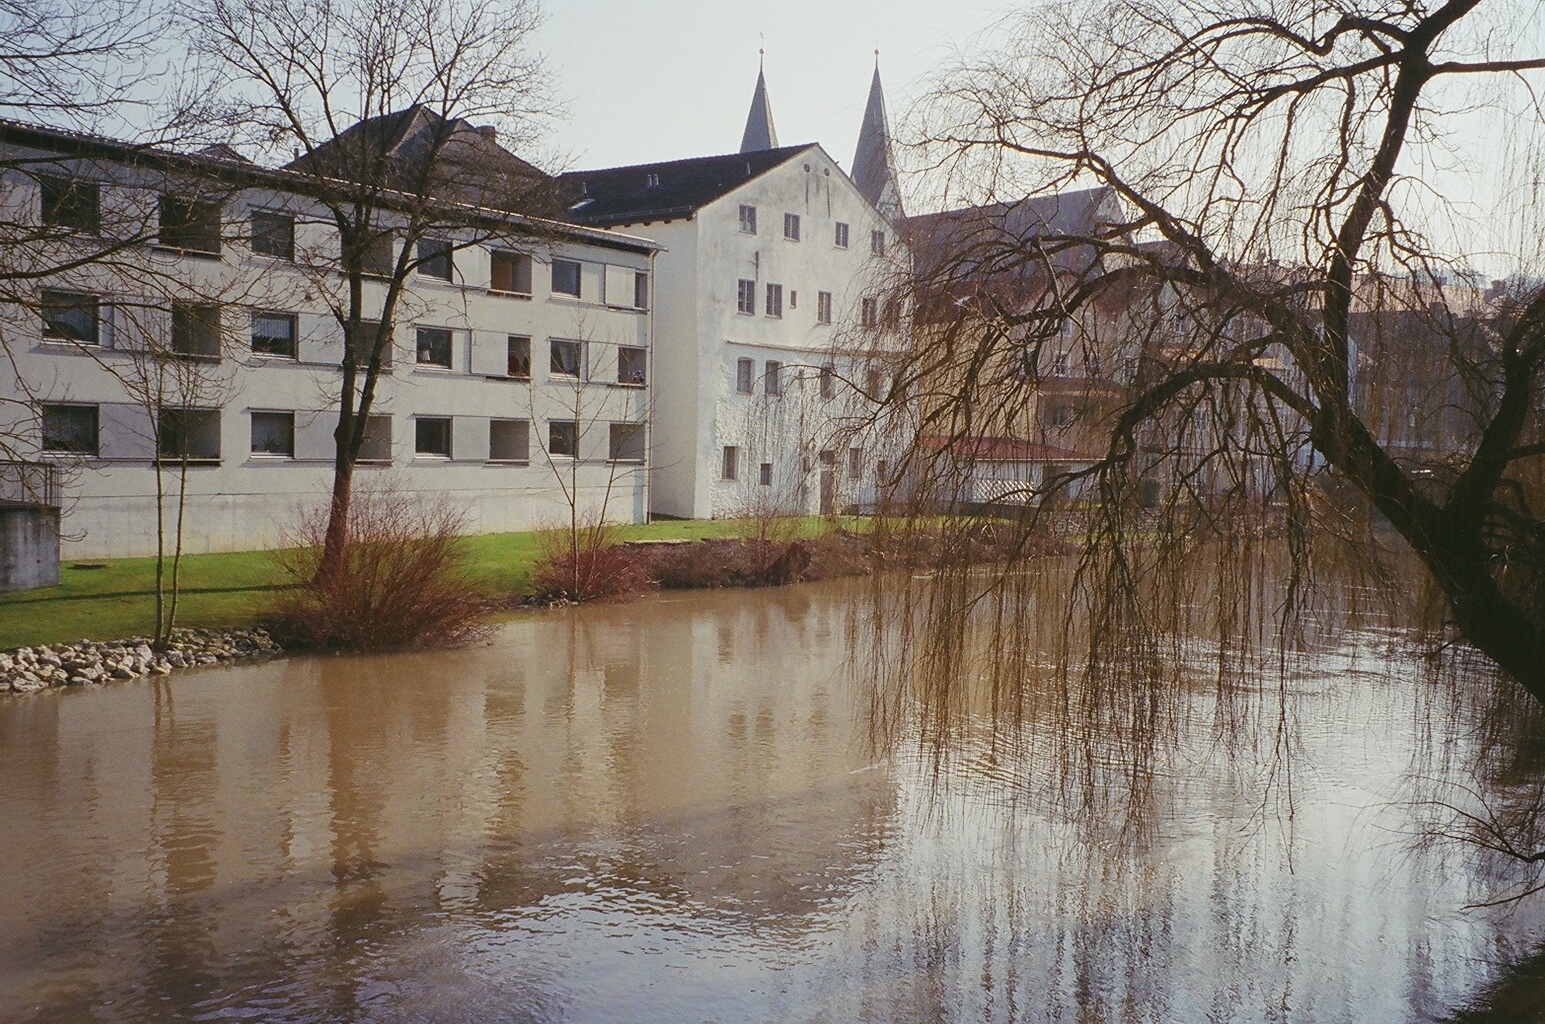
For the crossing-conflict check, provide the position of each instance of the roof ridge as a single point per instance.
(756, 154)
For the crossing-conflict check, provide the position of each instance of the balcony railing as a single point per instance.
(29, 483)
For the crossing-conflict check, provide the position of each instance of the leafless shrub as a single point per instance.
(589, 565)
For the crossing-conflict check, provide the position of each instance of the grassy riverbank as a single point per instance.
(233, 589)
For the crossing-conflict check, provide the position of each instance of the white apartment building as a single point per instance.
(519, 381)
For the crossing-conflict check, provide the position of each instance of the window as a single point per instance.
(363, 344)
(827, 457)
(432, 436)
(745, 302)
(509, 440)
(855, 463)
(518, 356)
(564, 358)
(765, 474)
(775, 300)
(273, 433)
(511, 273)
(190, 225)
(273, 234)
(566, 278)
(434, 258)
(874, 383)
(70, 429)
(840, 238)
(627, 442)
(68, 203)
(379, 257)
(70, 316)
(193, 434)
(631, 363)
(823, 307)
(877, 243)
(730, 470)
(828, 380)
(651, 181)
(879, 471)
(1062, 364)
(791, 226)
(434, 347)
(196, 330)
(745, 375)
(793, 299)
(563, 438)
(1058, 416)
(640, 290)
(870, 315)
(377, 444)
(773, 378)
(748, 219)
(273, 334)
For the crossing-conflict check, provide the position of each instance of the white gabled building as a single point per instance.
(767, 320)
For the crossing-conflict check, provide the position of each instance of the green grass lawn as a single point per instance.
(234, 589)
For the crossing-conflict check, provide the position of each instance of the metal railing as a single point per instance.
(29, 483)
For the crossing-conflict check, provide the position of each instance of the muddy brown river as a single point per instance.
(680, 810)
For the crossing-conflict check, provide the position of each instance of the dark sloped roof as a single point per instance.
(625, 195)
(1063, 214)
(989, 448)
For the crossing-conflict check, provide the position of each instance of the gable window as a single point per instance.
(877, 243)
(564, 358)
(765, 474)
(509, 440)
(745, 375)
(273, 433)
(377, 444)
(772, 377)
(273, 334)
(273, 234)
(192, 434)
(870, 313)
(563, 438)
(748, 219)
(432, 436)
(190, 225)
(640, 290)
(434, 347)
(71, 316)
(775, 300)
(70, 429)
(626, 443)
(196, 330)
(517, 356)
(840, 236)
(566, 278)
(828, 380)
(511, 273)
(434, 258)
(823, 307)
(631, 364)
(791, 226)
(378, 259)
(745, 299)
(729, 467)
(71, 203)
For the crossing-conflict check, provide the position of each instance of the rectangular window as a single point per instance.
(273, 334)
(563, 438)
(566, 278)
(1062, 364)
(840, 237)
(745, 301)
(823, 307)
(434, 258)
(748, 219)
(273, 433)
(379, 257)
(1059, 416)
(745, 375)
(196, 330)
(631, 363)
(434, 347)
(791, 226)
(627, 442)
(730, 470)
(70, 203)
(190, 433)
(772, 378)
(877, 243)
(363, 344)
(190, 225)
(511, 273)
(377, 444)
(879, 471)
(517, 356)
(828, 380)
(775, 300)
(70, 429)
(870, 314)
(855, 463)
(765, 474)
(432, 436)
(273, 234)
(71, 316)
(509, 440)
(564, 358)
(793, 299)
(640, 290)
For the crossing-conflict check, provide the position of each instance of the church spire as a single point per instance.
(760, 133)
(874, 170)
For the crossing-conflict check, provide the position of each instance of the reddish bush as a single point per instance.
(589, 567)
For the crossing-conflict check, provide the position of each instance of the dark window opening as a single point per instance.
(71, 316)
(273, 334)
(192, 434)
(564, 358)
(273, 433)
(563, 438)
(273, 234)
(190, 225)
(518, 356)
(70, 429)
(509, 440)
(511, 273)
(631, 364)
(434, 347)
(432, 436)
(627, 442)
(434, 258)
(196, 330)
(70, 203)
(566, 278)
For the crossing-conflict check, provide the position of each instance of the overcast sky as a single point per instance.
(666, 79)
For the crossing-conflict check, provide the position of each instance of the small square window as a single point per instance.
(791, 226)
(273, 334)
(71, 316)
(775, 300)
(840, 236)
(745, 300)
(877, 243)
(432, 436)
(631, 365)
(518, 356)
(376, 446)
(563, 438)
(190, 225)
(273, 433)
(823, 307)
(71, 203)
(765, 474)
(193, 434)
(511, 273)
(434, 258)
(745, 375)
(626, 442)
(566, 278)
(730, 468)
(70, 429)
(273, 234)
(748, 219)
(564, 358)
(434, 347)
(196, 330)
(509, 440)
(772, 378)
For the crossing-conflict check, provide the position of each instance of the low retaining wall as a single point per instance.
(29, 546)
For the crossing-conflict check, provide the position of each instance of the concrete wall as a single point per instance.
(29, 547)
